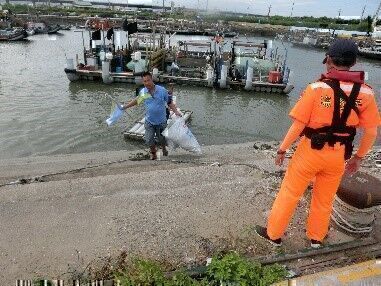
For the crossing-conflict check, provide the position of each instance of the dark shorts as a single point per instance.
(153, 132)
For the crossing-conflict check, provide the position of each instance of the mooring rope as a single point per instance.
(342, 214)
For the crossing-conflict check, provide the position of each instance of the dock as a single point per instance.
(130, 78)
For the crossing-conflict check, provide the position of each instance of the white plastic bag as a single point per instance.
(180, 135)
(115, 115)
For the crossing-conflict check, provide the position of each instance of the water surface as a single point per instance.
(42, 113)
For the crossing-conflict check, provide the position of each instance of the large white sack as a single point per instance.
(180, 135)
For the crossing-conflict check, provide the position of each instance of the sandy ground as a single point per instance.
(180, 209)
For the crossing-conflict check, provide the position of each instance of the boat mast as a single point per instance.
(376, 16)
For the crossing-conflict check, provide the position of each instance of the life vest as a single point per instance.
(338, 131)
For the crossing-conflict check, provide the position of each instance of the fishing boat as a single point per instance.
(230, 34)
(42, 28)
(65, 27)
(30, 31)
(53, 29)
(313, 40)
(202, 63)
(372, 52)
(259, 67)
(13, 34)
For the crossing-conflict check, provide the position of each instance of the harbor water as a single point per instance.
(42, 113)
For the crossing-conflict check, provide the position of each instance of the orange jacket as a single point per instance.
(315, 106)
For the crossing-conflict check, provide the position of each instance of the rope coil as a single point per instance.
(351, 219)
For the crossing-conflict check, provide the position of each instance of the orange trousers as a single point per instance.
(327, 166)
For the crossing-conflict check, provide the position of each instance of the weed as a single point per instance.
(233, 269)
(225, 269)
(146, 272)
(182, 279)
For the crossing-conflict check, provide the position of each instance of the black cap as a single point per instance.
(342, 48)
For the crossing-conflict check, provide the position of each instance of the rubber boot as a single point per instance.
(153, 152)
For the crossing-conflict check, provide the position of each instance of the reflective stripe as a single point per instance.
(318, 84)
(344, 87)
(348, 88)
(367, 90)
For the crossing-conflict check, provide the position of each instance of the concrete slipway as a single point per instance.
(68, 210)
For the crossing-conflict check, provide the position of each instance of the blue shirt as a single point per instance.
(155, 104)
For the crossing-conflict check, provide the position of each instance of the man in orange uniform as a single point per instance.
(327, 115)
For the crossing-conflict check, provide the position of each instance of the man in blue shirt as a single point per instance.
(155, 99)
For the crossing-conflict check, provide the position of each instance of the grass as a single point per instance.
(224, 269)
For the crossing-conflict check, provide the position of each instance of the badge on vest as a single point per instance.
(358, 102)
(326, 101)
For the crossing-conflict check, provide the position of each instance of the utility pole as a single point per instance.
(163, 7)
(292, 9)
(268, 13)
(207, 5)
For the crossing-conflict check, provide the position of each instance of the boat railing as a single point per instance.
(247, 44)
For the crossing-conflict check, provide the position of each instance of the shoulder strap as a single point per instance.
(336, 107)
(351, 103)
(339, 122)
(335, 85)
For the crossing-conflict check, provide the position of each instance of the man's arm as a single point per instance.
(301, 114)
(130, 104)
(369, 121)
(170, 89)
(173, 106)
(366, 143)
(293, 133)
(170, 103)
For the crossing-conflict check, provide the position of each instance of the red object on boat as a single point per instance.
(274, 77)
